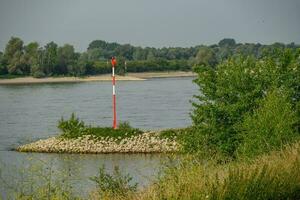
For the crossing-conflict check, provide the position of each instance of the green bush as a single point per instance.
(232, 91)
(270, 126)
(72, 128)
(39, 74)
(114, 184)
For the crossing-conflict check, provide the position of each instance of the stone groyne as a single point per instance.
(143, 143)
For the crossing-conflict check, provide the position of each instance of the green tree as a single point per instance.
(3, 69)
(269, 127)
(233, 90)
(66, 58)
(95, 54)
(32, 58)
(49, 58)
(83, 64)
(227, 42)
(139, 54)
(205, 56)
(125, 51)
(14, 56)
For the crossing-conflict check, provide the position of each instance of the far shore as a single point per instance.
(105, 77)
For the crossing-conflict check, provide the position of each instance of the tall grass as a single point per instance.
(272, 176)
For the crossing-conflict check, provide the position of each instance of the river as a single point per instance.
(31, 112)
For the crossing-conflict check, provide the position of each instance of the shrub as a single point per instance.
(232, 91)
(269, 127)
(114, 184)
(39, 74)
(72, 128)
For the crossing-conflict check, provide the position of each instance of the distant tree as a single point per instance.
(205, 56)
(139, 54)
(66, 58)
(120, 69)
(3, 69)
(14, 45)
(95, 54)
(31, 56)
(150, 55)
(83, 64)
(227, 42)
(15, 57)
(107, 49)
(49, 58)
(125, 51)
(98, 44)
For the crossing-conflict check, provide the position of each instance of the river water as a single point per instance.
(31, 112)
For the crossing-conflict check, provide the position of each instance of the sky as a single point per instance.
(154, 23)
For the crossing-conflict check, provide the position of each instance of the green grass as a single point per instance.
(119, 133)
(273, 176)
(74, 128)
(175, 133)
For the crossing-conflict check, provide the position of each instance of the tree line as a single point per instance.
(53, 60)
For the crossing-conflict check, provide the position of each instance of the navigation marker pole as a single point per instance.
(113, 63)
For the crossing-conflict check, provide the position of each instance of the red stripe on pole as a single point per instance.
(114, 80)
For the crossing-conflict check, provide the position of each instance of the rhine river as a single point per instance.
(31, 112)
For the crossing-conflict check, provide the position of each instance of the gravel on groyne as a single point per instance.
(144, 143)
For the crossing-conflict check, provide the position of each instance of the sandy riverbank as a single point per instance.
(145, 143)
(31, 80)
(105, 77)
(147, 75)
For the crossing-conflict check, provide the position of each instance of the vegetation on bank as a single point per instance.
(53, 60)
(75, 128)
(273, 176)
(244, 141)
(248, 110)
(246, 105)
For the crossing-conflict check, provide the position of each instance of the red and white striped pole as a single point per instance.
(113, 63)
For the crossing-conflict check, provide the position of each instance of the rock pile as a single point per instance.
(143, 143)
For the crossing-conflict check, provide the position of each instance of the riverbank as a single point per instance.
(105, 77)
(148, 142)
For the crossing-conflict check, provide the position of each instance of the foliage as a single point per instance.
(227, 42)
(175, 133)
(53, 60)
(274, 176)
(121, 132)
(37, 179)
(74, 128)
(232, 91)
(114, 184)
(269, 127)
(205, 56)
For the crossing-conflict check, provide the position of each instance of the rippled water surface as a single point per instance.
(31, 112)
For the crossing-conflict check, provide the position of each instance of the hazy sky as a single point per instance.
(154, 23)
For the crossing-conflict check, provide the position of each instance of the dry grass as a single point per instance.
(272, 176)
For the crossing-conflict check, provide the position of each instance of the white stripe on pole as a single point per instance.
(113, 71)
(114, 90)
